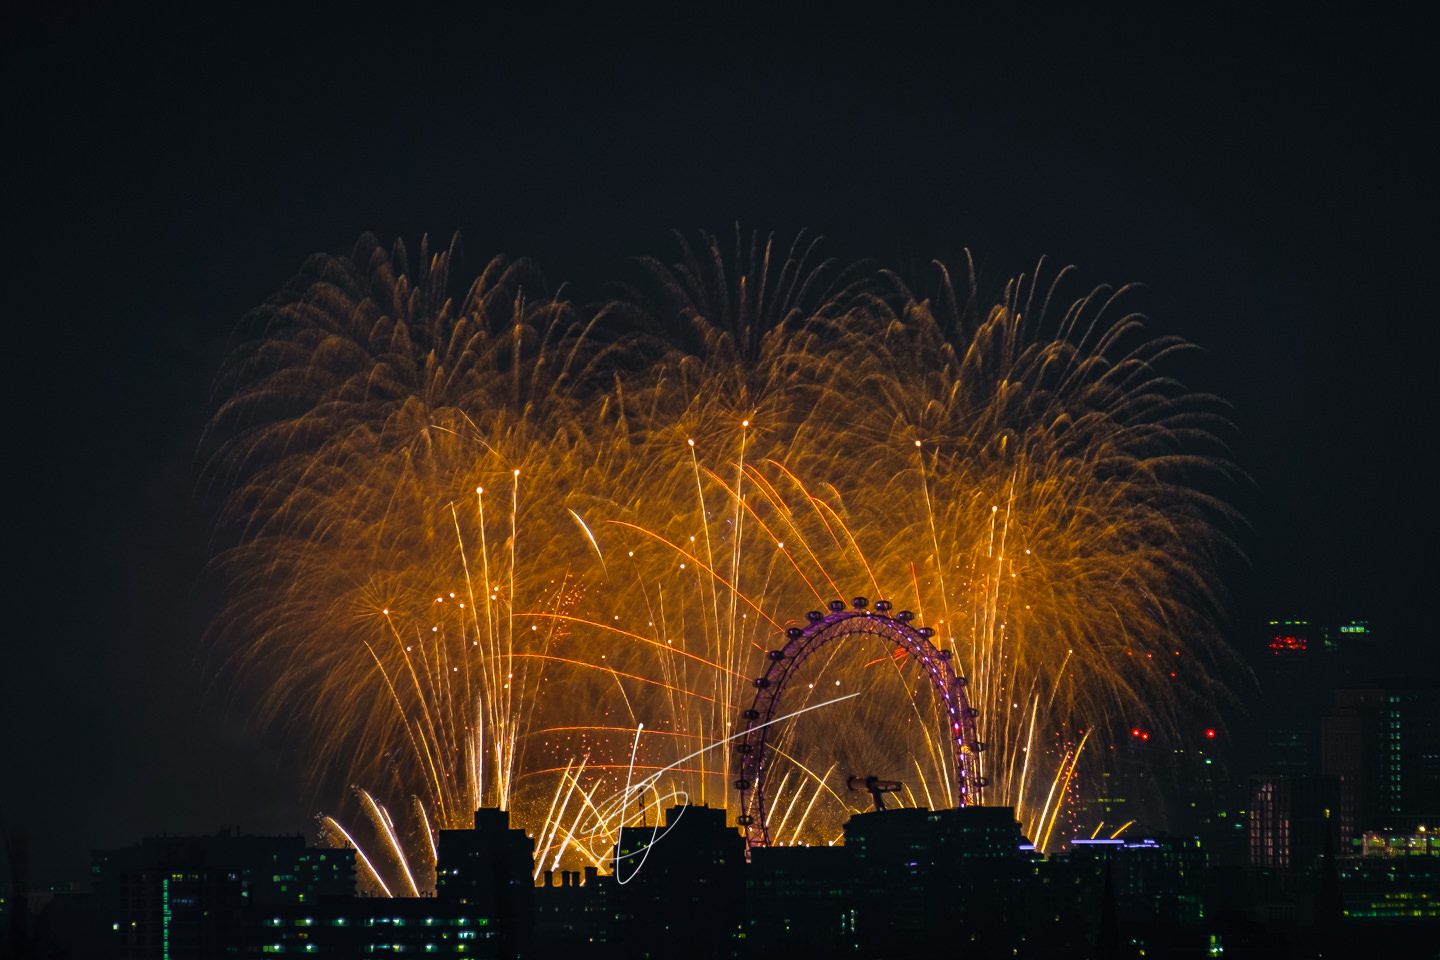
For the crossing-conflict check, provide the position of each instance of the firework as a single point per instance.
(491, 549)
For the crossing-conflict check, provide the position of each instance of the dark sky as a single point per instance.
(1270, 181)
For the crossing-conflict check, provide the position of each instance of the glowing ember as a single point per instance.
(483, 535)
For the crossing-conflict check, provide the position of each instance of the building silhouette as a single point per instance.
(975, 858)
(905, 882)
(678, 886)
(799, 899)
(489, 871)
(572, 914)
(183, 897)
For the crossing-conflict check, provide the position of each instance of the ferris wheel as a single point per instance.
(857, 619)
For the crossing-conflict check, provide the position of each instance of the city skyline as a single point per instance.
(179, 189)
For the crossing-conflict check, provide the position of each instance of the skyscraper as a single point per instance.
(1383, 738)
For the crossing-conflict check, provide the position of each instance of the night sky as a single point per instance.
(1270, 182)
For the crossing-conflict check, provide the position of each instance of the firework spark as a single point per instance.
(479, 539)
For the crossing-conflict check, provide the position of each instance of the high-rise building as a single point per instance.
(973, 859)
(679, 885)
(798, 901)
(1157, 879)
(1383, 738)
(488, 869)
(1297, 670)
(1293, 821)
(573, 916)
(1270, 822)
(177, 897)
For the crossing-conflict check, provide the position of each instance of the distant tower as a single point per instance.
(1298, 669)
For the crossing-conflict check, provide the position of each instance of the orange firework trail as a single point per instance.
(480, 536)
